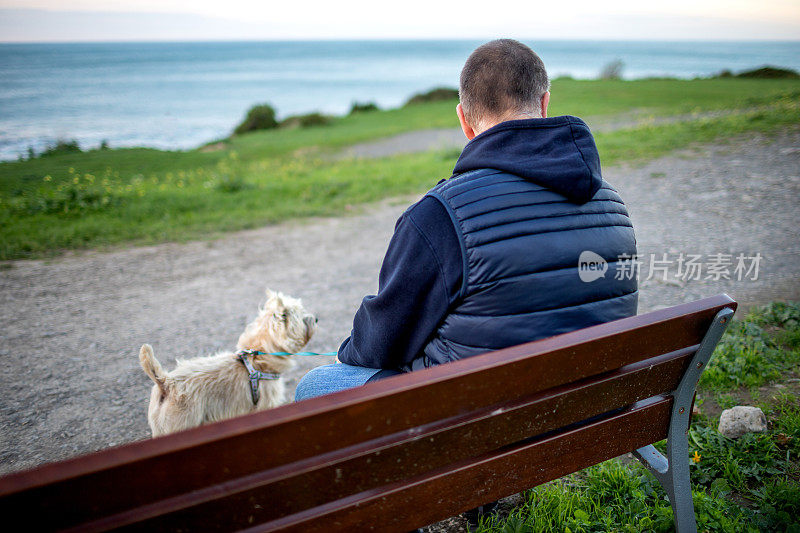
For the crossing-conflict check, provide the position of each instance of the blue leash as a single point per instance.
(256, 375)
(283, 354)
(298, 353)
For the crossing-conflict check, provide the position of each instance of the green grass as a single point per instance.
(750, 484)
(751, 354)
(87, 210)
(613, 497)
(654, 140)
(135, 196)
(662, 97)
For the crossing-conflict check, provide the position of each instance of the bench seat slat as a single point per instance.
(444, 493)
(305, 484)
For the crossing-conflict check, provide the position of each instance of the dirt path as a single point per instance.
(71, 327)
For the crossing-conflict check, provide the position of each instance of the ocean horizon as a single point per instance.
(180, 95)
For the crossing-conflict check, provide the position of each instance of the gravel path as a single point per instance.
(71, 327)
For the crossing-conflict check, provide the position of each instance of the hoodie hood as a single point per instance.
(558, 153)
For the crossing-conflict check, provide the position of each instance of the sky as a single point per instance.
(181, 20)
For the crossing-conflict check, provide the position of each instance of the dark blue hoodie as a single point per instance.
(489, 258)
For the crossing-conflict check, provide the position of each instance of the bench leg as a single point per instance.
(674, 477)
(672, 471)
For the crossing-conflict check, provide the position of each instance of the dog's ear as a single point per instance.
(278, 300)
(275, 297)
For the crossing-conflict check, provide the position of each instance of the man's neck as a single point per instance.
(494, 122)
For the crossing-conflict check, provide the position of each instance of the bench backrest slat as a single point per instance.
(240, 457)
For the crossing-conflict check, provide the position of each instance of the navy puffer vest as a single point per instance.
(527, 199)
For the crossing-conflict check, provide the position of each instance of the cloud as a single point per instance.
(332, 21)
(32, 25)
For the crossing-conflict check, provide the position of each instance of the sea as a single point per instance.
(179, 95)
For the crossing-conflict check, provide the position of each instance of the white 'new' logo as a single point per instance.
(591, 266)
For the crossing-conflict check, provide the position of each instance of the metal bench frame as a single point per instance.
(672, 471)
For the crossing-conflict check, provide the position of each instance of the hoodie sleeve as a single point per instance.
(419, 280)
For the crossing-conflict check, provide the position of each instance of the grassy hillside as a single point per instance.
(108, 197)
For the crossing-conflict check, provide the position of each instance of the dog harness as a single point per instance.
(246, 357)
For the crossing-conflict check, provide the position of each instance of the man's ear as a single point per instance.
(465, 127)
(545, 102)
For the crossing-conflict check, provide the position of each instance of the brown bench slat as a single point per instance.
(88, 487)
(304, 484)
(447, 492)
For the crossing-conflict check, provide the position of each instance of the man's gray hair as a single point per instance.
(502, 78)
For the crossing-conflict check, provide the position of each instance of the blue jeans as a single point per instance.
(333, 378)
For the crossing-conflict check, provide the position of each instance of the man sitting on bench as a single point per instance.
(490, 257)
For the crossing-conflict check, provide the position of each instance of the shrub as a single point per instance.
(259, 117)
(61, 146)
(306, 121)
(612, 70)
(363, 108)
(768, 72)
(434, 95)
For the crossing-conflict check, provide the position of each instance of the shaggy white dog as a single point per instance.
(207, 389)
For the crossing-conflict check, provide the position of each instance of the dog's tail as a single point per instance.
(153, 368)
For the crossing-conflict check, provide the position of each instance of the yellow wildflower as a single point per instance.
(696, 457)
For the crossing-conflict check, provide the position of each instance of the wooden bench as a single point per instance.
(409, 450)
